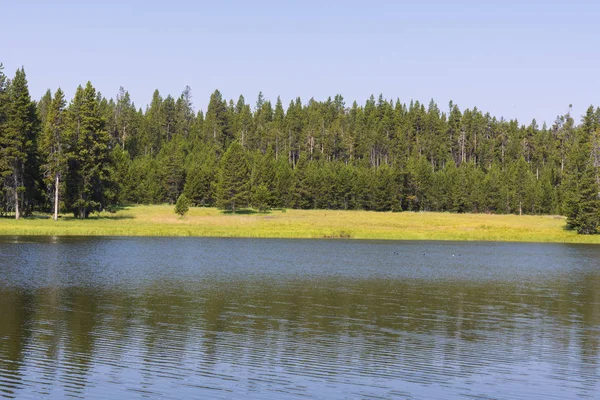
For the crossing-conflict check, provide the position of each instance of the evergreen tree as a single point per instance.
(124, 117)
(301, 190)
(90, 156)
(144, 182)
(201, 176)
(522, 184)
(216, 124)
(153, 121)
(171, 160)
(260, 198)
(43, 107)
(18, 143)
(263, 177)
(283, 185)
(184, 113)
(385, 190)
(582, 204)
(182, 205)
(494, 199)
(117, 187)
(585, 216)
(52, 147)
(233, 187)
(4, 160)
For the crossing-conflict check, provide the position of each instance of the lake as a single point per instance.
(179, 318)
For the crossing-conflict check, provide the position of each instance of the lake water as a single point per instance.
(182, 318)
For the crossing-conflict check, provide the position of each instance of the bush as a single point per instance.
(182, 206)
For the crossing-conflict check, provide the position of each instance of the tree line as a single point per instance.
(92, 153)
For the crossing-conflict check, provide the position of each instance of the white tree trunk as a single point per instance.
(17, 213)
(56, 199)
(16, 182)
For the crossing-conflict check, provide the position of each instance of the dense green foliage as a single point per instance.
(233, 185)
(384, 155)
(53, 147)
(182, 206)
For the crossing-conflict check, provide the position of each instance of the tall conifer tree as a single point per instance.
(233, 188)
(18, 140)
(91, 156)
(53, 147)
(4, 102)
(582, 203)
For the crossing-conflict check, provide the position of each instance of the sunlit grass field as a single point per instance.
(161, 220)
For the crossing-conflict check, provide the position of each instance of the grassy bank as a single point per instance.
(162, 221)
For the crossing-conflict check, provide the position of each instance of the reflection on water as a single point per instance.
(217, 318)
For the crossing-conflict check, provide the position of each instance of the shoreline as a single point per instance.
(161, 221)
(23, 237)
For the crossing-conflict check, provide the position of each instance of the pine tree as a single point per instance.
(182, 205)
(521, 186)
(216, 124)
(260, 198)
(124, 117)
(43, 106)
(301, 192)
(171, 160)
(385, 191)
(4, 102)
(184, 113)
(242, 121)
(284, 180)
(493, 192)
(582, 202)
(52, 147)
(201, 176)
(587, 216)
(233, 188)
(18, 142)
(263, 177)
(91, 156)
(169, 119)
(120, 162)
(153, 121)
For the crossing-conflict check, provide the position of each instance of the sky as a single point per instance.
(515, 59)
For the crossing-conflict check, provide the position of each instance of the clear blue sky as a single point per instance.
(517, 59)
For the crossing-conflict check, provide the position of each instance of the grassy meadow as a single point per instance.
(161, 220)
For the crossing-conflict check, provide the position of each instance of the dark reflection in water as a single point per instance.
(216, 318)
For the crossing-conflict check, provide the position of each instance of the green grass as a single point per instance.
(162, 221)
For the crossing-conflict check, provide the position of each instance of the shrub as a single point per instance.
(182, 206)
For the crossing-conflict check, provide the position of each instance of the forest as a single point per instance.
(92, 153)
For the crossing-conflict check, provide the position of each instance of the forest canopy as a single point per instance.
(91, 153)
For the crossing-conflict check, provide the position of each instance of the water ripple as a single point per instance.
(272, 319)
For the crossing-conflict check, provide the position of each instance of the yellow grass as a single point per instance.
(162, 221)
